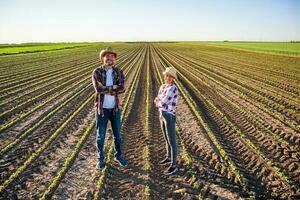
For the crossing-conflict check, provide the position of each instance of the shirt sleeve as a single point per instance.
(157, 101)
(121, 87)
(96, 83)
(175, 94)
(160, 89)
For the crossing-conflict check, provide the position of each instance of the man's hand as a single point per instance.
(111, 91)
(99, 84)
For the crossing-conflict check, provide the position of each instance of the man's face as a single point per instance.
(169, 79)
(109, 59)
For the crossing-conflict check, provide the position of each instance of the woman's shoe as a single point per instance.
(171, 170)
(165, 161)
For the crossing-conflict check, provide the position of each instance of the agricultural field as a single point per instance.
(237, 120)
(290, 48)
(7, 49)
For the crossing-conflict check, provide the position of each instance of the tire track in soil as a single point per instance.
(16, 156)
(129, 182)
(34, 180)
(259, 177)
(208, 165)
(270, 147)
(17, 129)
(281, 155)
(79, 182)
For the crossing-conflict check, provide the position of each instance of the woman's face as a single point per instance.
(169, 79)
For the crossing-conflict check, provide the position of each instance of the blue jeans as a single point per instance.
(101, 124)
(168, 126)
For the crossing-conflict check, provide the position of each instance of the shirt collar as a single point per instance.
(169, 84)
(113, 67)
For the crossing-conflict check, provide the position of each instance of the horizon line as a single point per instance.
(149, 41)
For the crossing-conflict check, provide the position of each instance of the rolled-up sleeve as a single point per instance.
(121, 86)
(168, 96)
(96, 83)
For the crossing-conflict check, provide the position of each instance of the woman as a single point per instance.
(166, 101)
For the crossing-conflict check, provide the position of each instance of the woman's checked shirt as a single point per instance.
(167, 98)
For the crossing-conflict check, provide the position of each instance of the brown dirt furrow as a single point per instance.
(16, 156)
(213, 173)
(129, 182)
(197, 68)
(20, 127)
(269, 145)
(258, 174)
(34, 180)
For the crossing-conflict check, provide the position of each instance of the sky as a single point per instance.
(156, 20)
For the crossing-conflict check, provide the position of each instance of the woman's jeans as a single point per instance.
(101, 124)
(167, 122)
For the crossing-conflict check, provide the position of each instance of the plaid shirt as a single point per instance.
(167, 98)
(99, 83)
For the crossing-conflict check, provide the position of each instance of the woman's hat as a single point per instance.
(170, 71)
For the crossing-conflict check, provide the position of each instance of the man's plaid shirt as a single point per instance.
(99, 83)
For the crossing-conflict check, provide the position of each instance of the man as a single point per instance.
(108, 81)
(166, 101)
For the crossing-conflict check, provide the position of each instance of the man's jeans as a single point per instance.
(101, 124)
(167, 122)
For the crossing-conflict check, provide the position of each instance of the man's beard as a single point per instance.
(109, 63)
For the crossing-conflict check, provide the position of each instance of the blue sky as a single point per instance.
(121, 20)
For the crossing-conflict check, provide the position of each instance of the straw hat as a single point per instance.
(106, 51)
(170, 71)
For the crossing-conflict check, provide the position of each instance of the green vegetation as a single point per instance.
(47, 143)
(37, 47)
(147, 165)
(289, 48)
(243, 105)
(68, 162)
